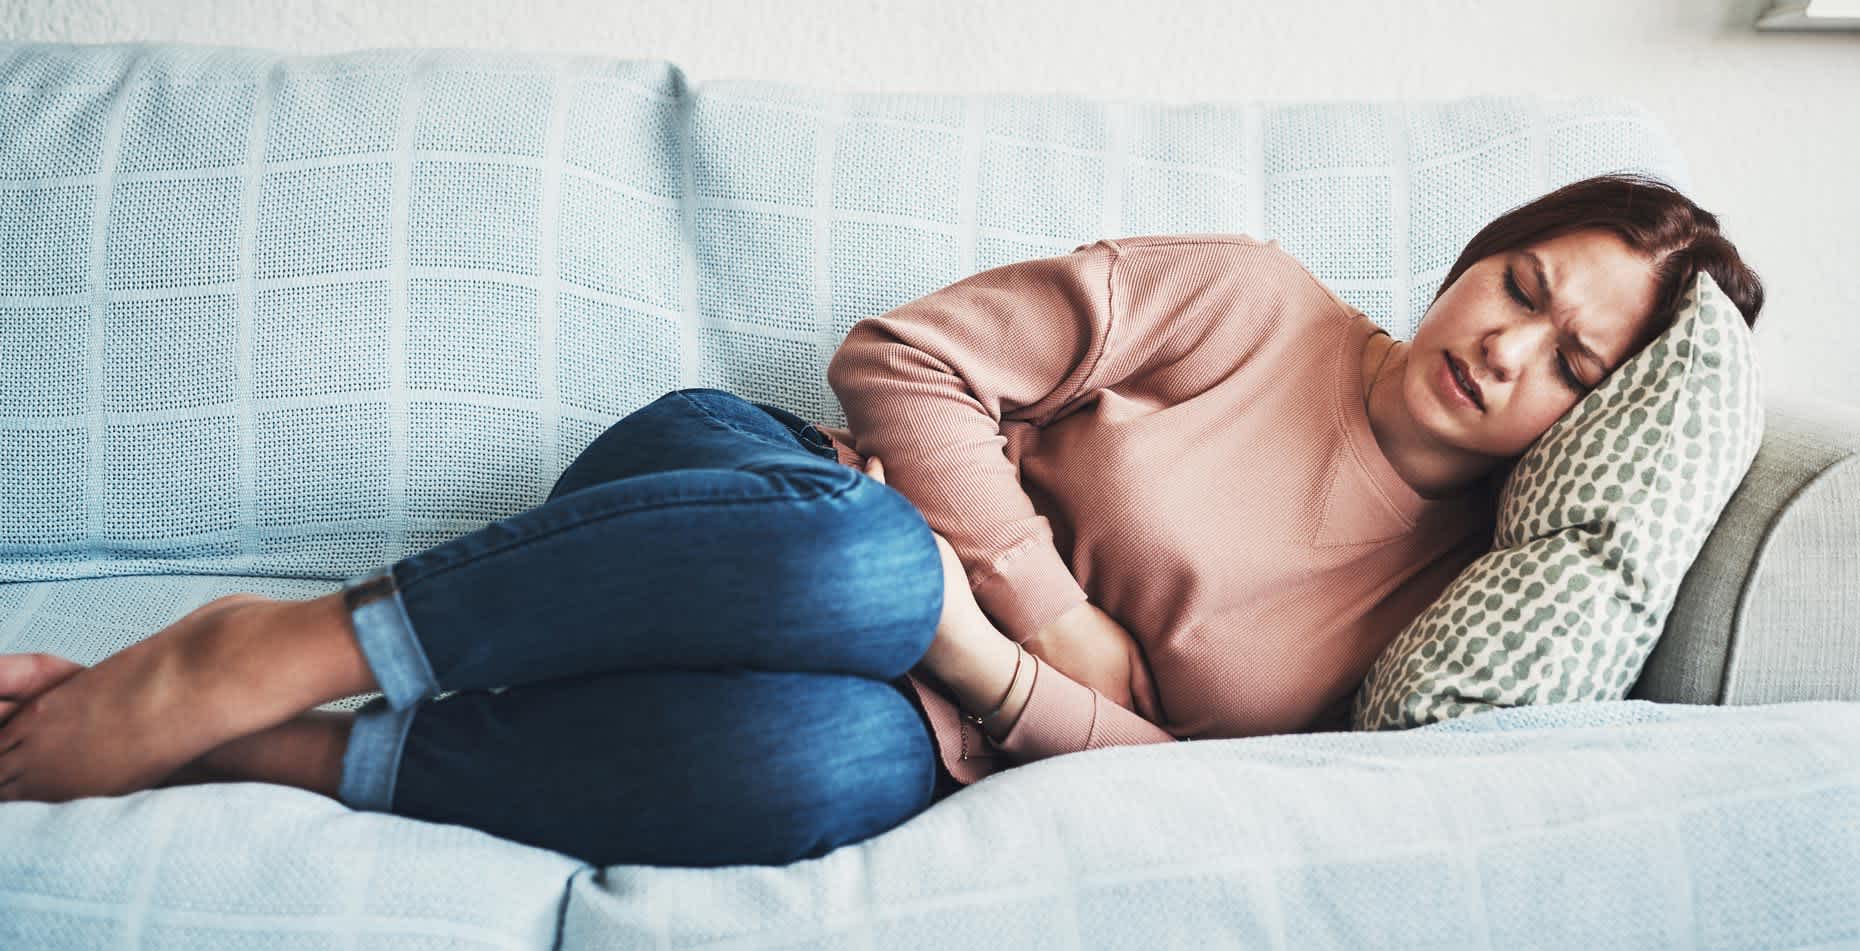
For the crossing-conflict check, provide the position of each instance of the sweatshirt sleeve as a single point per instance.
(1065, 716)
(927, 385)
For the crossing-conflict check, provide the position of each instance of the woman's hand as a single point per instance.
(1089, 646)
(1084, 643)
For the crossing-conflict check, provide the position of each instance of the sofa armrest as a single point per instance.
(1770, 610)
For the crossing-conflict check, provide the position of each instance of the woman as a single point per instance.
(1165, 487)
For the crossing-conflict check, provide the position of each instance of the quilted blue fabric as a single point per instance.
(1610, 826)
(298, 316)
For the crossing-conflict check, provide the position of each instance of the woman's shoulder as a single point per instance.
(1248, 264)
(1195, 239)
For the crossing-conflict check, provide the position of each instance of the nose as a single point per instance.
(1509, 348)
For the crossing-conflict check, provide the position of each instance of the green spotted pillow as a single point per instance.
(1598, 523)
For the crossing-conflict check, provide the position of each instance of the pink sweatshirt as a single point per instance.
(1173, 427)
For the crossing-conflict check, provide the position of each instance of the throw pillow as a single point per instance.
(1597, 524)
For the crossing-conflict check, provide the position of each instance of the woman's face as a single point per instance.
(1521, 350)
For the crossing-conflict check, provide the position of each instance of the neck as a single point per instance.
(1435, 470)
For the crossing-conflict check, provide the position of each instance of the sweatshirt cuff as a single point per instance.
(843, 453)
(1031, 587)
(1057, 719)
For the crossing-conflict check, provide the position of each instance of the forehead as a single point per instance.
(1604, 290)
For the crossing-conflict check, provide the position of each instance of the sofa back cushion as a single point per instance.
(303, 315)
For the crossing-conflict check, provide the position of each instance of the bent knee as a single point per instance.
(877, 772)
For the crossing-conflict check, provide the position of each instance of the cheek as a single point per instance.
(1544, 410)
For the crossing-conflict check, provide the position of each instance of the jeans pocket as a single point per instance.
(809, 435)
(819, 443)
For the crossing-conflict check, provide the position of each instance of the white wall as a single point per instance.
(1774, 146)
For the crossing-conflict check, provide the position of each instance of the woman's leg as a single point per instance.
(305, 751)
(642, 580)
(668, 767)
(698, 532)
(697, 428)
(780, 560)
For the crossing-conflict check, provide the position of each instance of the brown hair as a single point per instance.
(1651, 216)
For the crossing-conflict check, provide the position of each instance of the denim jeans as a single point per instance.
(690, 654)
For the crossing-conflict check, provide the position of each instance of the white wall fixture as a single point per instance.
(1811, 15)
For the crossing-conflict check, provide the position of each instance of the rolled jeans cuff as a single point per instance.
(372, 761)
(385, 636)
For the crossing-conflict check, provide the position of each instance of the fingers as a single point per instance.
(1143, 689)
(875, 469)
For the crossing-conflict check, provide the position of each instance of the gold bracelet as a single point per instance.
(1030, 688)
(1018, 651)
(980, 722)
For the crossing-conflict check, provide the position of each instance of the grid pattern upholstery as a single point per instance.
(1602, 826)
(301, 316)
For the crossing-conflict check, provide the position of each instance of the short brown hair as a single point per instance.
(1652, 217)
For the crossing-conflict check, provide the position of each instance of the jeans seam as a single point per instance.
(732, 427)
(628, 510)
(823, 450)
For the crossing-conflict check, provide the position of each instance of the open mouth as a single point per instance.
(1464, 381)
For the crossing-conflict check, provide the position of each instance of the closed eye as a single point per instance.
(1569, 375)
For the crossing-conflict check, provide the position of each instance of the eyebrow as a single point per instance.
(1537, 267)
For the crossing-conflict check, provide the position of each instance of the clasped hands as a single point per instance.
(1084, 642)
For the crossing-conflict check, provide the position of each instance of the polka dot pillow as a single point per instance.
(1598, 523)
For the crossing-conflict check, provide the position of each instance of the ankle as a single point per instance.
(332, 631)
(306, 752)
(301, 654)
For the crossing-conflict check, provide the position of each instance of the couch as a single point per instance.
(271, 321)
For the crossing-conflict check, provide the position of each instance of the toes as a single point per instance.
(18, 672)
(23, 675)
(13, 786)
(11, 767)
(10, 736)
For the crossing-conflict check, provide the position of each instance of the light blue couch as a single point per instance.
(268, 322)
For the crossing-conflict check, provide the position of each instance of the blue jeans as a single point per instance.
(699, 642)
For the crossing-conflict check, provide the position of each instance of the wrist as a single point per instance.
(1014, 670)
(975, 662)
(1058, 623)
(998, 729)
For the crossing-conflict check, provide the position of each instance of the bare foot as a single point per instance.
(305, 751)
(142, 713)
(24, 676)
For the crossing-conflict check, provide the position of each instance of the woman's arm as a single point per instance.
(970, 657)
(975, 663)
(930, 384)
